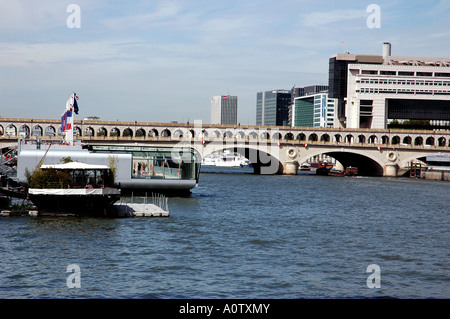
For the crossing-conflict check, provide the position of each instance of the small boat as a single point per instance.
(323, 168)
(351, 171)
(226, 159)
(305, 167)
(73, 188)
(335, 172)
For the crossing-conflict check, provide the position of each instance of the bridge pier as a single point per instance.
(290, 168)
(390, 170)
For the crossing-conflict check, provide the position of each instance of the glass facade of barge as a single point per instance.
(158, 162)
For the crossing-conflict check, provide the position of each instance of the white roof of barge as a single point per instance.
(75, 165)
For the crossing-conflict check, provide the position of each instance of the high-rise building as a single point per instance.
(302, 91)
(313, 110)
(373, 90)
(272, 108)
(224, 109)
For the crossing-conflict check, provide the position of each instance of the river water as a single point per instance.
(244, 236)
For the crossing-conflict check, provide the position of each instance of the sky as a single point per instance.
(163, 60)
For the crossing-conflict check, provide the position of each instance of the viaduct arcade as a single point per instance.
(272, 150)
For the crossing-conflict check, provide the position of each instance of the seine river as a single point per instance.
(244, 236)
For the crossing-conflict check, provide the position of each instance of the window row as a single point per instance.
(403, 82)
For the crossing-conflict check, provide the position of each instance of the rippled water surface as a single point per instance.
(245, 236)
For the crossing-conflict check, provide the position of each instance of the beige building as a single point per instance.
(373, 90)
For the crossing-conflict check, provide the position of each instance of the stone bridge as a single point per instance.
(272, 150)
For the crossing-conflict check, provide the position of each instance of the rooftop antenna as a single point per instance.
(344, 47)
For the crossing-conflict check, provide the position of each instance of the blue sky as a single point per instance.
(162, 61)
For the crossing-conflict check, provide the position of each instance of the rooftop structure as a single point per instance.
(372, 90)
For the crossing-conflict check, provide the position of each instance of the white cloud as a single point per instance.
(166, 11)
(316, 19)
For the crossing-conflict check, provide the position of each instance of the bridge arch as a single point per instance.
(89, 131)
(128, 132)
(325, 138)
(301, 137)
(264, 136)
(367, 165)
(37, 130)
(153, 133)
(140, 132)
(289, 136)
(77, 131)
(407, 140)
(102, 131)
(115, 132)
(418, 141)
(441, 141)
(349, 138)
(313, 137)
(253, 135)
(24, 130)
(178, 133)
(337, 138)
(276, 136)
(361, 139)
(395, 140)
(50, 131)
(166, 133)
(429, 141)
(240, 134)
(228, 134)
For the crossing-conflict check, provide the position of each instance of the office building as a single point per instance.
(313, 110)
(272, 108)
(372, 90)
(224, 109)
(302, 91)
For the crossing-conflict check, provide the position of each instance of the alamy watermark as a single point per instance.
(74, 19)
(74, 279)
(374, 279)
(374, 19)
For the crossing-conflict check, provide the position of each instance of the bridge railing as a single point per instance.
(247, 139)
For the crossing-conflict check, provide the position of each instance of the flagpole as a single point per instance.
(67, 120)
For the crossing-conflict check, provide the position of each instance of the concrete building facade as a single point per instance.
(372, 90)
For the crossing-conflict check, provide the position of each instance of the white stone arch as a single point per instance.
(178, 133)
(37, 130)
(404, 161)
(166, 133)
(216, 134)
(50, 130)
(240, 134)
(24, 130)
(11, 130)
(89, 131)
(277, 136)
(153, 132)
(336, 153)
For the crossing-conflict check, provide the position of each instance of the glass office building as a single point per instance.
(272, 108)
